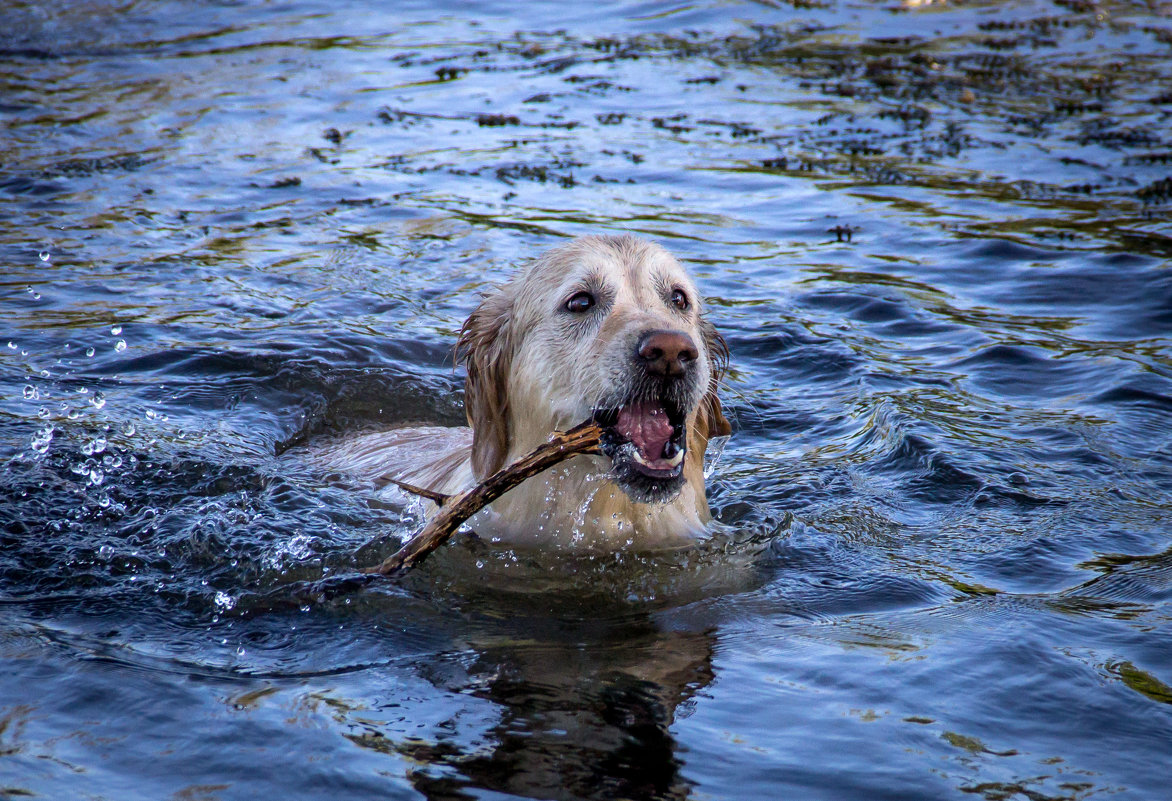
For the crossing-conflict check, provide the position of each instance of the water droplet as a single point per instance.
(712, 454)
(44, 255)
(98, 400)
(11, 345)
(89, 351)
(128, 429)
(30, 392)
(224, 600)
(40, 440)
(104, 501)
(43, 412)
(120, 345)
(45, 374)
(116, 330)
(151, 414)
(106, 551)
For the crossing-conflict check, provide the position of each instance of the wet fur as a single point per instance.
(534, 368)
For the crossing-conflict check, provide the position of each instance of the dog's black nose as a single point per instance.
(667, 353)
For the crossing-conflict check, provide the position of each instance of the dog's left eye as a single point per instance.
(679, 299)
(579, 303)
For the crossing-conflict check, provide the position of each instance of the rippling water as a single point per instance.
(935, 236)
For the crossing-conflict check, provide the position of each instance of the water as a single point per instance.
(936, 238)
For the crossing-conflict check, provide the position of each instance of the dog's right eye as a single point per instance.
(579, 303)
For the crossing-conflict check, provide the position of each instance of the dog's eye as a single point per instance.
(581, 302)
(679, 299)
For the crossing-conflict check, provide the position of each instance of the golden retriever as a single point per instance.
(609, 327)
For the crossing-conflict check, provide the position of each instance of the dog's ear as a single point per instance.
(711, 421)
(485, 348)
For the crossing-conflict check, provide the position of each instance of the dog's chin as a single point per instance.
(646, 442)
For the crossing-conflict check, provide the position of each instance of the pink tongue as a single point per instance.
(646, 426)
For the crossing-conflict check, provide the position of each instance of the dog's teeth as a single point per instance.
(672, 462)
(673, 452)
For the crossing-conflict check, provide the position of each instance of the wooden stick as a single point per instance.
(438, 497)
(582, 438)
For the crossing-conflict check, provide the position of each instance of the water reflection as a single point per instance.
(584, 711)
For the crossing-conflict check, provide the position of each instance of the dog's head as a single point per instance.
(608, 327)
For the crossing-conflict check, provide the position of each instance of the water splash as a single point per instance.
(42, 439)
(297, 548)
(712, 455)
(94, 446)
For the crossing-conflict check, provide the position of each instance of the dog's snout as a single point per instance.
(666, 353)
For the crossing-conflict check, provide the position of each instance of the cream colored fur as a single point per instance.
(531, 371)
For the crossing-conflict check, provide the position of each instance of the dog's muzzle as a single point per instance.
(645, 436)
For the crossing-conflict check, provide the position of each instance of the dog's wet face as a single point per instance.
(619, 339)
(646, 426)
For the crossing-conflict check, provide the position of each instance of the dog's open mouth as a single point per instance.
(646, 442)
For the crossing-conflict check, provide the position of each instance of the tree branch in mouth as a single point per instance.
(455, 509)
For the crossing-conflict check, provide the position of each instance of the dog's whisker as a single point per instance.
(745, 402)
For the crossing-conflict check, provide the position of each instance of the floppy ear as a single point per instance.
(711, 422)
(485, 348)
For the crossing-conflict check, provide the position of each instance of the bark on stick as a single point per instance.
(582, 438)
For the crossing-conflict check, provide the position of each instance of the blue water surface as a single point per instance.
(936, 237)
